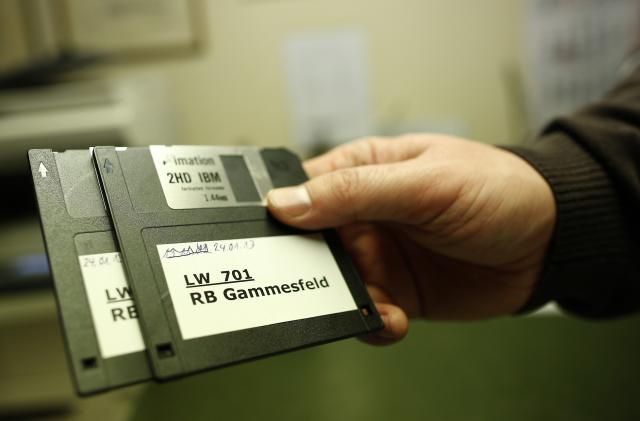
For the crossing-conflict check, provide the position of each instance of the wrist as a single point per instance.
(584, 245)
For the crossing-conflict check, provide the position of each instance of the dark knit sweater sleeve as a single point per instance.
(591, 160)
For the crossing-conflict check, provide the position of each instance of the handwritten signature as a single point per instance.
(187, 251)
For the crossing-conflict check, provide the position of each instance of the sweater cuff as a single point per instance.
(588, 239)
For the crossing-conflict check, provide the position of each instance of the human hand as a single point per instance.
(438, 226)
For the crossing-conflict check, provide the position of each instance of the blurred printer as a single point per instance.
(133, 111)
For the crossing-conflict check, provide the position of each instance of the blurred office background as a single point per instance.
(307, 74)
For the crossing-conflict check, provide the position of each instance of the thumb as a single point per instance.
(390, 192)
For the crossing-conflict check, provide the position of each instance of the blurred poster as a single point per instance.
(327, 77)
(574, 51)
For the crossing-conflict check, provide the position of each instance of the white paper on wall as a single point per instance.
(327, 80)
(574, 51)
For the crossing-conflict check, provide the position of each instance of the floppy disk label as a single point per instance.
(112, 308)
(229, 285)
(209, 177)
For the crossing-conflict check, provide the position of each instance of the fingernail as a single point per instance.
(294, 201)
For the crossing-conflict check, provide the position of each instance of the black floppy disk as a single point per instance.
(216, 279)
(99, 319)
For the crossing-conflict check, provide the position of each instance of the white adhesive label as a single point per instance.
(229, 285)
(112, 308)
(196, 177)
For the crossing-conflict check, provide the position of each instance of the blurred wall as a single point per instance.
(431, 63)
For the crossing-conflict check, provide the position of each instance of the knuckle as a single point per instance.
(365, 140)
(368, 149)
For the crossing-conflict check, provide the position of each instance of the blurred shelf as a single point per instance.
(25, 308)
(23, 264)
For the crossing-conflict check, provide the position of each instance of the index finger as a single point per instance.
(368, 151)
